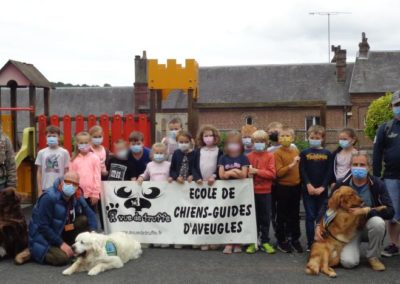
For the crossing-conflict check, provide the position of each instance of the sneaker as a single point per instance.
(204, 247)
(178, 246)
(237, 248)
(376, 264)
(23, 257)
(266, 247)
(284, 247)
(251, 249)
(164, 246)
(214, 247)
(227, 249)
(297, 246)
(390, 250)
(308, 249)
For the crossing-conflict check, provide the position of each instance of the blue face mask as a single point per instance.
(359, 172)
(158, 158)
(259, 147)
(52, 141)
(396, 111)
(315, 143)
(68, 189)
(246, 141)
(97, 141)
(344, 144)
(136, 148)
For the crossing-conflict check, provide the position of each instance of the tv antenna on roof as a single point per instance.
(329, 14)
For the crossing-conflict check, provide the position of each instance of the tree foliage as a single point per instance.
(379, 111)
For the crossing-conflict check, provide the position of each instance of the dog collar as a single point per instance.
(111, 248)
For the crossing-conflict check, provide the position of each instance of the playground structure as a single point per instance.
(162, 79)
(15, 75)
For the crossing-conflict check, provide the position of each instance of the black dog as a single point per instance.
(13, 228)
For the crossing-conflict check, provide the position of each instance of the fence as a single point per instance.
(114, 127)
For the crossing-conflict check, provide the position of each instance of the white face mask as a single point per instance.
(97, 141)
(183, 146)
(122, 154)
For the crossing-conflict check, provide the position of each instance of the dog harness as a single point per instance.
(328, 217)
(111, 248)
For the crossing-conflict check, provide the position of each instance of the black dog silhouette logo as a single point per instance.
(133, 200)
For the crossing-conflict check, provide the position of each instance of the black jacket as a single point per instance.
(176, 163)
(196, 170)
(379, 196)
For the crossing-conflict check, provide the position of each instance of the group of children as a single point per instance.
(280, 173)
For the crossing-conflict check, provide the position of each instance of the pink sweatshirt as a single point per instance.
(89, 170)
(157, 171)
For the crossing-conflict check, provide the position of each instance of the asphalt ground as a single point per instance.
(187, 265)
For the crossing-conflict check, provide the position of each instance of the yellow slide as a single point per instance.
(24, 162)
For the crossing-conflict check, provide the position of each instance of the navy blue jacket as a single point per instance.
(196, 170)
(49, 217)
(387, 148)
(137, 167)
(176, 163)
(379, 196)
(316, 167)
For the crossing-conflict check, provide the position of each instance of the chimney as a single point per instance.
(363, 47)
(141, 92)
(340, 59)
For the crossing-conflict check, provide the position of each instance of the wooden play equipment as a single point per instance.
(15, 75)
(162, 79)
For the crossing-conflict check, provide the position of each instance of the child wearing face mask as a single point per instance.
(138, 156)
(262, 170)
(247, 131)
(205, 161)
(88, 165)
(233, 165)
(117, 165)
(96, 134)
(316, 174)
(182, 162)
(342, 155)
(157, 169)
(287, 193)
(174, 126)
(52, 162)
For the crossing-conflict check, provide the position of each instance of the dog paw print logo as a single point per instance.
(112, 212)
(138, 201)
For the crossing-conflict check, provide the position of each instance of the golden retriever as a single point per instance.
(340, 231)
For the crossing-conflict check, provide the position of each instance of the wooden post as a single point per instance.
(46, 102)
(32, 123)
(153, 115)
(192, 113)
(13, 103)
(323, 115)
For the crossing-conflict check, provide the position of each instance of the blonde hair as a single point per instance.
(274, 124)
(316, 129)
(260, 135)
(156, 146)
(248, 130)
(287, 129)
(95, 129)
(77, 137)
(204, 128)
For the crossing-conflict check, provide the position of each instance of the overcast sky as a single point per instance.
(95, 41)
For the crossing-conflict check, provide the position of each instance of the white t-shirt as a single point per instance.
(53, 163)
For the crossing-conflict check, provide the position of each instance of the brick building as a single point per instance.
(336, 94)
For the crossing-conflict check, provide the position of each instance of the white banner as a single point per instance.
(172, 213)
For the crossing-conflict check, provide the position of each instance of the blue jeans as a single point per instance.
(393, 188)
(312, 205)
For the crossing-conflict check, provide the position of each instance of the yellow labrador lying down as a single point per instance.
(97, 252)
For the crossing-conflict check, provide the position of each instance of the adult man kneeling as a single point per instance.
(60, 214)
